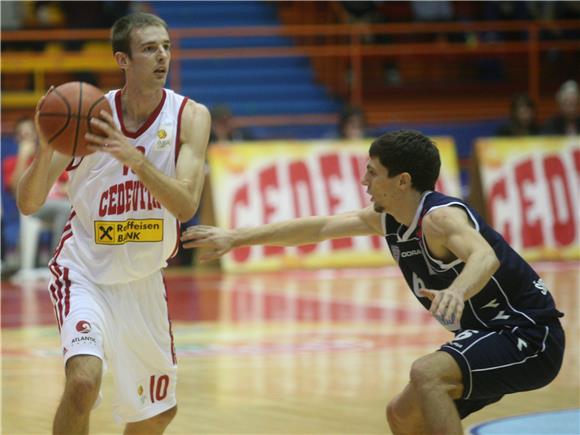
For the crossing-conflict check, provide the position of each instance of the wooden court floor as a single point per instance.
(288, 353)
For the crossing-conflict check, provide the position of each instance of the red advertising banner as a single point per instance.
(532, 191)
(258, 183)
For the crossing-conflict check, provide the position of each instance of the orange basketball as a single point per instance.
(65, 113)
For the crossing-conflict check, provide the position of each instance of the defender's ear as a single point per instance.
(405, 180)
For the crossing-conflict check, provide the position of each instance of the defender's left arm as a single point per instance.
(449, 235)
(180, 194)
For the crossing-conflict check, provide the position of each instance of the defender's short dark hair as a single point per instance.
(121, 30)
(409, 151)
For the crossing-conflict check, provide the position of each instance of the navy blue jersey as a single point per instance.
(514, 296)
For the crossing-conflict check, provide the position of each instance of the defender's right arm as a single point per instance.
(40, 176)
(294, 232)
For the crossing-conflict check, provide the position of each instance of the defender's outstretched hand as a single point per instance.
(213, 241)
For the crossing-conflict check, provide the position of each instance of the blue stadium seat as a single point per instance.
(264, 92)
(249, 86)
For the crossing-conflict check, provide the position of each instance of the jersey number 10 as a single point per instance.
(158, 387)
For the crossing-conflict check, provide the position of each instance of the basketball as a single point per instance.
(65, 113)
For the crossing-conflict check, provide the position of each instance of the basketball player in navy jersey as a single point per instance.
(507, 334)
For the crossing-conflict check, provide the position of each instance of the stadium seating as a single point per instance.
(249, 86)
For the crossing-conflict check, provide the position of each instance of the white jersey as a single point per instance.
(118, 232)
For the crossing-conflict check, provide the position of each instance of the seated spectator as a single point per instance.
(522, 118)
(567, 121)
(56, 210)
(429, 11)
(10, 222)
(352, 123)
(223, 129)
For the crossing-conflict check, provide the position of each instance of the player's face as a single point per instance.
(150, 54)
(381, 188)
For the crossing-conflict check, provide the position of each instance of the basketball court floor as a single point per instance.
(317, 352)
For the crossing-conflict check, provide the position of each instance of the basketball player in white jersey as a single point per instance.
(127, 200)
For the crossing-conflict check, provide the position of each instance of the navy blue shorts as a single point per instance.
(494, 363)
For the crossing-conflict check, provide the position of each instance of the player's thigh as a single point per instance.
(142, 358)
(81, 313)
(494, 363)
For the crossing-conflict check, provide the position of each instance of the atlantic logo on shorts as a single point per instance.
(83, 327)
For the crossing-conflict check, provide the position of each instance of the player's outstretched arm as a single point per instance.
(217, 241)
(450, 235)
(37, 180)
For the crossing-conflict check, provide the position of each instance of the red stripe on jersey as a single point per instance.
(64, 237)
(54, 305)
(178, 133)
(148, 122)
(59, 247)
(66, 293)
(173, 354)
(60, 297)
(177, 149)
(177, 229)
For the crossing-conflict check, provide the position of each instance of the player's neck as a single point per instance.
(406, 208)
(138, 104)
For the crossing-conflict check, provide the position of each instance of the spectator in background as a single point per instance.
(352, 123)
(93, 15)
(522, 118)
(223, 128)
(12, 15)
(56, 209)
(48, 14)
(363, 12)
(429, 11)
(567, 121)
(223, 131)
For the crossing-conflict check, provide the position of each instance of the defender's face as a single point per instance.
(150, 54)
(381, 188)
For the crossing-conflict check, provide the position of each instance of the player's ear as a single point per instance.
(122, 59)
(405, 180)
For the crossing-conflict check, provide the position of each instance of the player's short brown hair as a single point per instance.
(121, 30)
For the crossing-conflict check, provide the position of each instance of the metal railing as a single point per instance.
(342, 41)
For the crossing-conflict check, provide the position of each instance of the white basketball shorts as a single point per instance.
(127, 326)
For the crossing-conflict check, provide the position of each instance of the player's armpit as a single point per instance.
(453, 235)
(447, 231)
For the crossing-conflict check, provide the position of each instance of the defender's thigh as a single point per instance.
(142, 357)
(494, 363)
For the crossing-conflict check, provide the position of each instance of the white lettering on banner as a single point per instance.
(316, 181)
(543, 210)
(319, 185)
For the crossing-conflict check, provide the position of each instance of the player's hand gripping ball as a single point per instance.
(64, 116)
